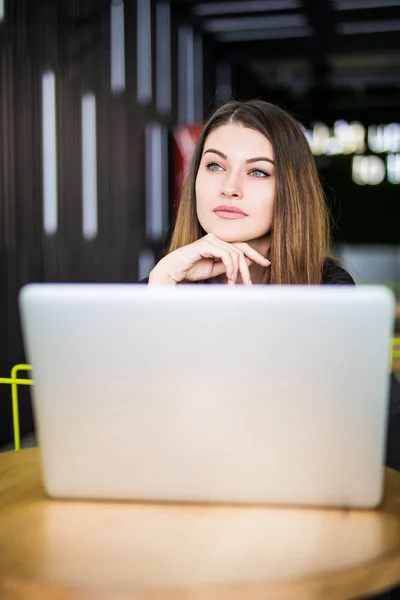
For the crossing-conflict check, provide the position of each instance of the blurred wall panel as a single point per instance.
(72, 39)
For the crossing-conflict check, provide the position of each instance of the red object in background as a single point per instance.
(184, 141)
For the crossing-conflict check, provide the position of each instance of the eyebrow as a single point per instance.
(248, 161)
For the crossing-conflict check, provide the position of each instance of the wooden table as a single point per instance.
(63, 550)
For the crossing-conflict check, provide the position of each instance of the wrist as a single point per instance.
(160, 277)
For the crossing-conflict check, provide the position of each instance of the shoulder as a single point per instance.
(334, 274)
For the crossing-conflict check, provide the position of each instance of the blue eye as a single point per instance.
(214, 166)
(258, 173)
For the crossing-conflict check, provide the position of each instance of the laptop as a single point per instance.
(268, 394)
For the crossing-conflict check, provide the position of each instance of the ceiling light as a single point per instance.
(143, 52)
(249, 23)
(363, 4)
(117, 47)
(272, 34)
(222, 8)
(49, 153)
(89, 167)
(357, 27)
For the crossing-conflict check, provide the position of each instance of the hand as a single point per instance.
(207, 258)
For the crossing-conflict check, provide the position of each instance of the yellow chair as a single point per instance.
(15, 381)
(395, 355)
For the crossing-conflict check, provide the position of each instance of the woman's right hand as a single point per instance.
(206, 258)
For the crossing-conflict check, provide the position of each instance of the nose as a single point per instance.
(232, 187)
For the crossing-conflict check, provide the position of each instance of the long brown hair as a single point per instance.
(300, 227)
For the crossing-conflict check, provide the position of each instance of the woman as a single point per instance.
(252, 208)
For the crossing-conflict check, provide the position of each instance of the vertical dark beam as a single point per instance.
(69, 156)
(133, 214)
(322, 18)
(141, 116)
(7, 150)
(174, 65)
(126, 139)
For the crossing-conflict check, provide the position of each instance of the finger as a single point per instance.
(244, 270)
(219, 268)
(209, 249)
(234, 254)
(243, 261)
(252, 254)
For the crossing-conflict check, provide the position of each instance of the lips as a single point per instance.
(233, 210)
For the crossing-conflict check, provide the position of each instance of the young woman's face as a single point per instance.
(235, 184)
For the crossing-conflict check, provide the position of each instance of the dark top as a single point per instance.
(334, 274)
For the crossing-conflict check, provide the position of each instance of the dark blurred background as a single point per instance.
(100, 104)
